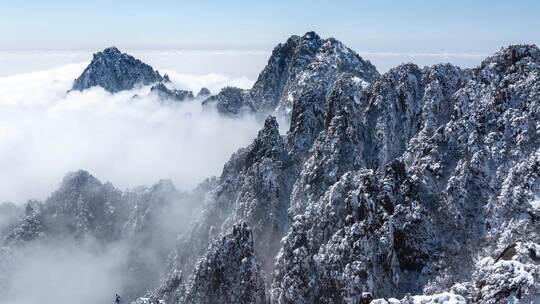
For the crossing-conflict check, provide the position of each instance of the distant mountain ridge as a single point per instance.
(301, 65)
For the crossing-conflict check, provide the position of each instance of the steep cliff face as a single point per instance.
(302, 63)
(115, 71)
(444, 146)
(228, 272)
(253, 189)
(417, 183)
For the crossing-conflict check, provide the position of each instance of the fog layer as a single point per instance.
(46, 132)
(64, 272)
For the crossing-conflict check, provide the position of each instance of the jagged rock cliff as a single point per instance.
(419, 207)
(115, 71)
(228, 272)
(253, 188)
(415, 184)
(299, 67)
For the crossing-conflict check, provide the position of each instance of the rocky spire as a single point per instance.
(115, 71)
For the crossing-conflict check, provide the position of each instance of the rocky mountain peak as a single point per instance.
(268, 144)
(115, 71)
(270, 131)
(79, 179)
(303, 65)
(311, 35)
(381, 177)
(203, 93)
(231, 101)
(110, 51)
(510, 63)
(418, 181)
(513, 54)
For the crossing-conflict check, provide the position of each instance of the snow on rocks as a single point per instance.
(115, 71)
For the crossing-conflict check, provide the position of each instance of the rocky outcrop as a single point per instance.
(203, 93)
(228, 272)
(115, 71)
(253, 188)
(165, 93)
(434, 197)
(231, 101)
(82, 206)
(299, 68)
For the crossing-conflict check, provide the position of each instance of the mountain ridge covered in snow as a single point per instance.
(416, 186)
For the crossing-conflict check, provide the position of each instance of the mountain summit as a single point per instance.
(116, 71)
(303, 65)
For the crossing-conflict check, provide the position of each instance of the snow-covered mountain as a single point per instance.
(306, 65)
(116, 71)
(417, 183)
(146, 220)
(417, 186)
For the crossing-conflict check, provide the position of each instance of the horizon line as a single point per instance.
(253, 51)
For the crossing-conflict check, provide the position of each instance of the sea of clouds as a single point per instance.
(46, 132)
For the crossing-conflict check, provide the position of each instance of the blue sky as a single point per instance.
(379, 26)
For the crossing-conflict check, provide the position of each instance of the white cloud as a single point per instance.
(45, 133)
(64, 272)
(214, 82)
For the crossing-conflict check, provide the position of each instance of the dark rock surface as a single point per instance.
(231, 101)
(301, 67)
(115, 71)
(165, 93)
(228, 272)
